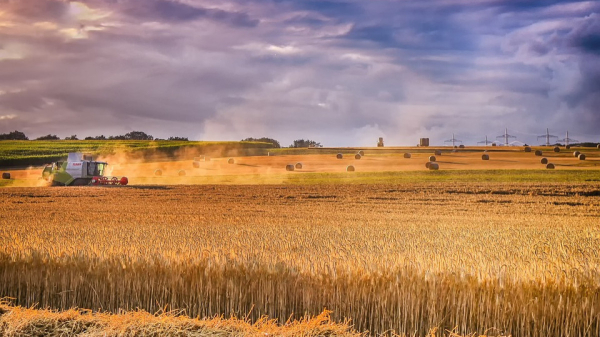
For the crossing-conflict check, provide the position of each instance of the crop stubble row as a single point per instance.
(522, 258)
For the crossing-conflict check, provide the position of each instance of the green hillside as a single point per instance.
(33, 153)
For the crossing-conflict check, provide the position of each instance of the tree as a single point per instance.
(305, 143)
(73, 137)
(15, 135)
(48, 137)
(138, 135)
(101, 137)
(263, 140)
(133, 135)
(182, 139)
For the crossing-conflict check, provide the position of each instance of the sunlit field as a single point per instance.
(489, 258)
(336, 168)
(40, 152)
(192, 167)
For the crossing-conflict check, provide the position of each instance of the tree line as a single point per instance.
(133, 135)
(139, 135)
(297, 143)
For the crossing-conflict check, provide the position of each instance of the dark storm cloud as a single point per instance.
(525, 5)
(587, 36)
(440, 37)
(176, 11)
(331, 8)
(305, 19)
(383, 35)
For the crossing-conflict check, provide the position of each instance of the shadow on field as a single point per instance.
(450, 162)
(587, 163)
(149, 187)
(504, 160)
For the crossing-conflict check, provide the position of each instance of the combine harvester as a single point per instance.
(80, 170)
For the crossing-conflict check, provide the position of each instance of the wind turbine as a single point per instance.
(506, 136)
(566, 140)
(453, 140)
(486, 141)
(547, 136)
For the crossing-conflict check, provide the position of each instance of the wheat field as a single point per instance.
(497, 259)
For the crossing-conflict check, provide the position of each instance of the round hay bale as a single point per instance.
(230, 161)
(598, 146)
(461, 146)
(556, 149)
(550, 166)
(432, 158)
(568, 147)
(196, 164)
(576, 153)
(407, 155)
(581, 156)
(456, 147)
(357, 156)
(6, 175)
(427, 164)
(527, 149)
(538, 153)
(339, 156)
(544, 161)
(289, 167)
(181, 173)
(350, 168)
(158, 173)
(299, 166)
(485, 157)
(434, 166)
(438, 153)
(361, 152)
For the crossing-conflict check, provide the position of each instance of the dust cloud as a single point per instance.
(195, 166)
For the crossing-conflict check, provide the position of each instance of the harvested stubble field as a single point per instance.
(18, 321)
(320, 166)
(487, 258)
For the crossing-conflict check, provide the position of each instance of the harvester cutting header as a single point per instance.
(80, 170)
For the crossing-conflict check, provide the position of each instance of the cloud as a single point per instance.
(587, 35)
(37, 9)
(332, 8)
(5, 117)
(339, 72)
(176, 11)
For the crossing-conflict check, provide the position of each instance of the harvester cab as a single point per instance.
(80, 170)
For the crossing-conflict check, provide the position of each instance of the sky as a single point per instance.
(340, 72)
